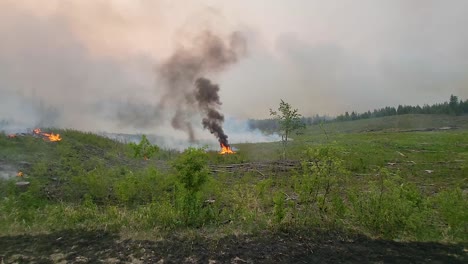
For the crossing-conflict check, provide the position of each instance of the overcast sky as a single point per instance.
(84, 57)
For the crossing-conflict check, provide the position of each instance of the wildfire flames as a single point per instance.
(51, 137)
(47, 136)
(19, 174)
(226, 150)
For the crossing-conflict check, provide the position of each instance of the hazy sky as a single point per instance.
(91, 58)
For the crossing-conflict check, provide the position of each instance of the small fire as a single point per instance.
(11, 135)
(48, 136)
(53, 137)
(19, 174)
(226, 150)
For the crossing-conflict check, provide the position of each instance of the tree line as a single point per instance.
(454, 106)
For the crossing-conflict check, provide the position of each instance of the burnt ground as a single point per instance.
(77, 246)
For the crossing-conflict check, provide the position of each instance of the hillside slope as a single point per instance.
(394, 123)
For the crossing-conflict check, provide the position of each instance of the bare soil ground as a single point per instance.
(77, 246)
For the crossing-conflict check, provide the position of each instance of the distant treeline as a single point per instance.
(454, 106)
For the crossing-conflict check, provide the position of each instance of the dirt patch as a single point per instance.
(75, 246)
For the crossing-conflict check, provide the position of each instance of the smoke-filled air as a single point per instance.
(54, 73)
(164, 67)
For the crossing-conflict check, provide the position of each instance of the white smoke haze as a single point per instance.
(92, 64)
(239, 132)
(237, 129)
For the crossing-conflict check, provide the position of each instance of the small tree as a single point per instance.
(192, 174)
(289, 121)
(144, 149)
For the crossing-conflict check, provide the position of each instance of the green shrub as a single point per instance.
(320, 187)
(279, 209)
(144, 149)
(126, 189)
(452, 206)
(8, 188)
(142, 187)
(192, 174)
(162, 214)
(241, 204)
(391, 208)
(192, 169)
(96, 183)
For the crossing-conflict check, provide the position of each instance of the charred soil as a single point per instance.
(78, 246)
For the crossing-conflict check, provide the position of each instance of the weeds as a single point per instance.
(452, 208)
(390, 207)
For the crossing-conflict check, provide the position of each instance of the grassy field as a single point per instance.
(377, 181)
(414, 145)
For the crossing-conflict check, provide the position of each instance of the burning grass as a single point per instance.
(226, 150)
(47, 136)
(50, 137)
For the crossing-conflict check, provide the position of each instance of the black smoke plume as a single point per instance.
(188, 91)
(207, 97)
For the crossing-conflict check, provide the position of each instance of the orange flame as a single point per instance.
(53, 137)
(19, 174)
(48, 136)
(226, 150)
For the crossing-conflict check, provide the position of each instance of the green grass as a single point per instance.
(444, 153)
(82, 145)
(368, 176)
(392, 124)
